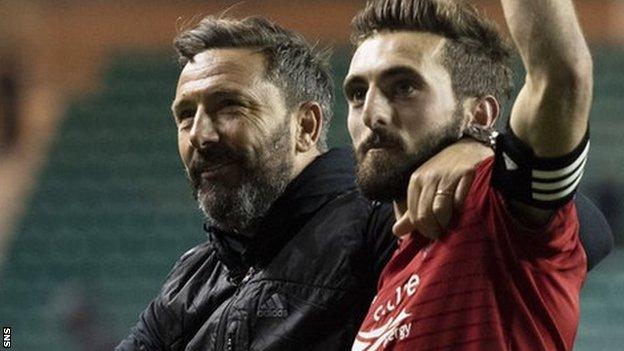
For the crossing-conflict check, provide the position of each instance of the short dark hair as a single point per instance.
(300, 70)
(476, 55)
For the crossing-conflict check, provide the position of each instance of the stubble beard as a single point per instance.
(239, 208)
(385, 175)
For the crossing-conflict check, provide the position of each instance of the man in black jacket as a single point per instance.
(293, 250)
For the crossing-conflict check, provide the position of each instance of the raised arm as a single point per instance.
(552, 109)
(550, 115)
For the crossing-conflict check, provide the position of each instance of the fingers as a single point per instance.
(426, 222)
(429, 207)
(463, 187)
(403, 226)
(437, 189)
(443, 207)
(427, 212)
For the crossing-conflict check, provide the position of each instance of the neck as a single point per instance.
(302, 161)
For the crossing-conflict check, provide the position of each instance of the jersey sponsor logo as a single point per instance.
(400, 294)
(395, 329)
(378, 338)
(273, 307)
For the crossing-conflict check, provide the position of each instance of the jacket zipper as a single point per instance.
(228, 342)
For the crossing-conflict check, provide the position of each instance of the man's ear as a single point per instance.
(309, 124)
(485, 111)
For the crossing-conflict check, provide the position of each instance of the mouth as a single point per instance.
(379, 148)
(209, 172)
(380, 142)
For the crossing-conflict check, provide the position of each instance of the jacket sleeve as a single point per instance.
(154, 327)
(146, 335)
(595, 232)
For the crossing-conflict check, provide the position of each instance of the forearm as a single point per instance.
(552, 110)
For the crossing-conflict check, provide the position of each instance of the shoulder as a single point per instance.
(352, 204)
(201, 257)
(488, 206)
(362, 223)
(354, 209)
(356, 201)
(193, 255)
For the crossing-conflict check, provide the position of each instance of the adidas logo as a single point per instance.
(273, 307)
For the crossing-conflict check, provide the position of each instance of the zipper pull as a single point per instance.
(249, 275)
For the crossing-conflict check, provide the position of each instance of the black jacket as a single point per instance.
(305, 283)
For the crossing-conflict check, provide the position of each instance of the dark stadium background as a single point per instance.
(94, 206)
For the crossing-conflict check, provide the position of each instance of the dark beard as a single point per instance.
(384, 176)
(240, 206)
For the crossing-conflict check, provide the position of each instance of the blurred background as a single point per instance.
(94, 204)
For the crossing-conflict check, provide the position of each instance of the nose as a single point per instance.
(377, 110)
(203, 132)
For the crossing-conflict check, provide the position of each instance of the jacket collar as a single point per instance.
(328, 176)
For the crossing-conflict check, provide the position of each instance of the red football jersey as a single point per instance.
(488, 285)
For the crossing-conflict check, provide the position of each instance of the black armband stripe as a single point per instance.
(563, 172)
(557, 184)
(545, 182)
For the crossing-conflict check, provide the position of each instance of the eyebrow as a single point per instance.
(223, 92)
(404, 71)
(352, 80)
(175, 106)
(401, 70)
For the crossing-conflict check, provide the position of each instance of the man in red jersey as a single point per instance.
(425, 74)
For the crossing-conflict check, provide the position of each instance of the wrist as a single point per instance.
(470, 146)
(484, 135)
